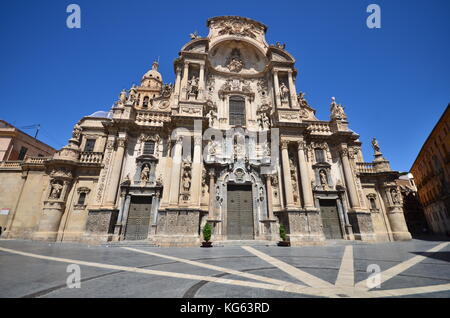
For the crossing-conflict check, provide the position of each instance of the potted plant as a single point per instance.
(207, 235)
(284, 242)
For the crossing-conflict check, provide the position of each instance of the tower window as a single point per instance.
(237, 111)
(149, 148)
(89, 147)
(22, 153)
(145, 104)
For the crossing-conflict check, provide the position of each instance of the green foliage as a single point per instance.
(282, 232)
(207, 232)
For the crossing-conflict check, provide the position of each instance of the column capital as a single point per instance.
(284, 144)
(121, 142)
(301, 145)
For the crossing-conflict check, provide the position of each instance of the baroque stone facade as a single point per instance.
(231, 144)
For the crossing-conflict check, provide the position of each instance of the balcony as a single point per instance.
(365, 167)
(91, 157)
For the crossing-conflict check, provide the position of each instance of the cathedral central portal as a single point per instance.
(239, 212)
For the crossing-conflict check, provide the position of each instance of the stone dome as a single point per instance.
(153, 73)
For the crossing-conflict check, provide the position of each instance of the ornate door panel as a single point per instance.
(239, 213)
(330, 219)
(138, 218)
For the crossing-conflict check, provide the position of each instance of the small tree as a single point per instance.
(282, 232)
(207, 232)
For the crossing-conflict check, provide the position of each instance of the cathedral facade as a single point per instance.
(231, 143)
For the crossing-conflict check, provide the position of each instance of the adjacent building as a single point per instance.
(231, 143)
(431, 170)
(16, 145)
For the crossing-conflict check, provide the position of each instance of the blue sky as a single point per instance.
(394, 82)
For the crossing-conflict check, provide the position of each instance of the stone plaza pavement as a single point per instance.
(417, 268)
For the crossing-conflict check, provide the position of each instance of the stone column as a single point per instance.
(196, 172)
(276, 84)
(201, 82)
(350, 183)
(113, 183)
(184, 81)
(288, 194)
(212, 191)
(269, 197)
(176, 171)
(178, 83)
(304, 177)
(292, 91)
(167, 176)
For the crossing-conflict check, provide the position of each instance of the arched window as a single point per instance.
(237, 111)
(145, 104)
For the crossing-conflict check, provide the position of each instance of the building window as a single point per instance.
(149, 148)
(320, 155)
(89, 147)
(145, 104)
(237, 111)
(22, 153)
(373, 204)
(82, 198)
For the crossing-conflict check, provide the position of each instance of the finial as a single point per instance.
(155, 65)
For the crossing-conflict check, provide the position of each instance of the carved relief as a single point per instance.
(56, 187)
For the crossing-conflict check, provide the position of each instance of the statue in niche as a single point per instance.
(235, 63)
(284, 92)
(76, 133)
(323, 179)
(193, 86)
(337, 110)
(375, 145)
(145, 173)
(395, 196)
(212, 146)
(187, 175)
(263, 121)
(212, 117)
(56, 189)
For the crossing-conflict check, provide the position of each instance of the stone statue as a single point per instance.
(123, 96)
(323, 179)
(375, 145)
(194, 35)
(235, 65)
(337, 110)
(284, 92)
(395, 196)
(166, 90)
(263, 121)
(55, 192)
(186, 181)
(76, 133)
(212, 147)
(145, 174)
(301, 100)
(212, 117)
(280, 46)
(261, 193)
(193, 86)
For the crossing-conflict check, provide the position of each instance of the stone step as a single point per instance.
(129, 244)
(243, 243)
